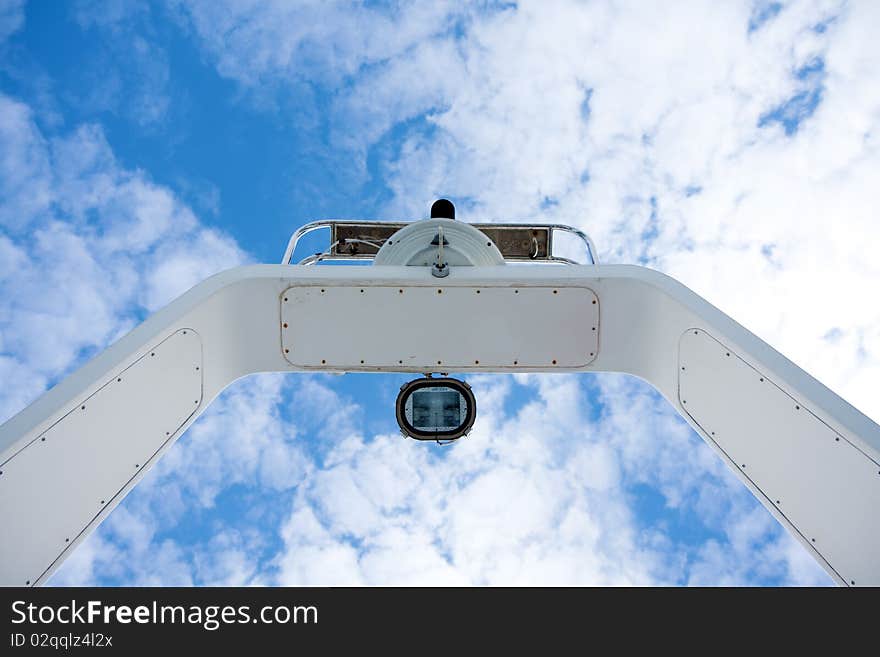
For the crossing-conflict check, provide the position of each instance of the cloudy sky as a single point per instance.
(733, 145)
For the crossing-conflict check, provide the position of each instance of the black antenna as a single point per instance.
(442, 209)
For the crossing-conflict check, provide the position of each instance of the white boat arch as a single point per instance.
(70, 457)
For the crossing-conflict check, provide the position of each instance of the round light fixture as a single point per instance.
(441, 409)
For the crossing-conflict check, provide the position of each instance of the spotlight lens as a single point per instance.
(436, 409)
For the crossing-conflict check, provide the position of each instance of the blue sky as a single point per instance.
(148, 145)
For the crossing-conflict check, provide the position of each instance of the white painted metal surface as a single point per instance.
(642, 318)
(61, 481)
(498, 327)
(787, 453)
(463, 245)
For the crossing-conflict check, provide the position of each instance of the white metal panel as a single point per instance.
(464, 245)
(50, 490)
(823, 485)
(439, 327)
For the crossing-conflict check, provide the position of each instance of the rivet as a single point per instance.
(285, 298)
(102, 501)
(83, 407)
(516, 291)
(682, 369)
(362, 291)
(362, 361)
(400, 362)
(488, 243)
(555, 291)
(762, 378)
(478, 291)
(591, 353)
(438, 362)
(285, 324)
(743, 466)
(153, 353)
(400, 291)
(853, 582)
(28, 582)
(683, 401)
(813, 539)
(728, 353)
(184, 332)
(777, 501)
(713, 433)
(476, 362)
(197, 368)
(797, 408)
(837, 440)
(554, 361)
(439, 291)
(287, 351)
(516, 362)
(67, 540)
(695, 332)
(167, 433)
(594, 302)
(594, 328)
(118, 380)
(323, 362)
(197, 401)
(136, 466)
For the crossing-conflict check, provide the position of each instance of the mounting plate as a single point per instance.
(439, 328)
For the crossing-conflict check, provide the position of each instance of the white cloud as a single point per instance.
(67, 206)
(540, 497)
(244, 440)
(123, 31)
(253, 41)
(24, 166)
(11, 17)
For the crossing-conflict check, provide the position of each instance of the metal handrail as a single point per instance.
(302, 231)
(591, 248)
